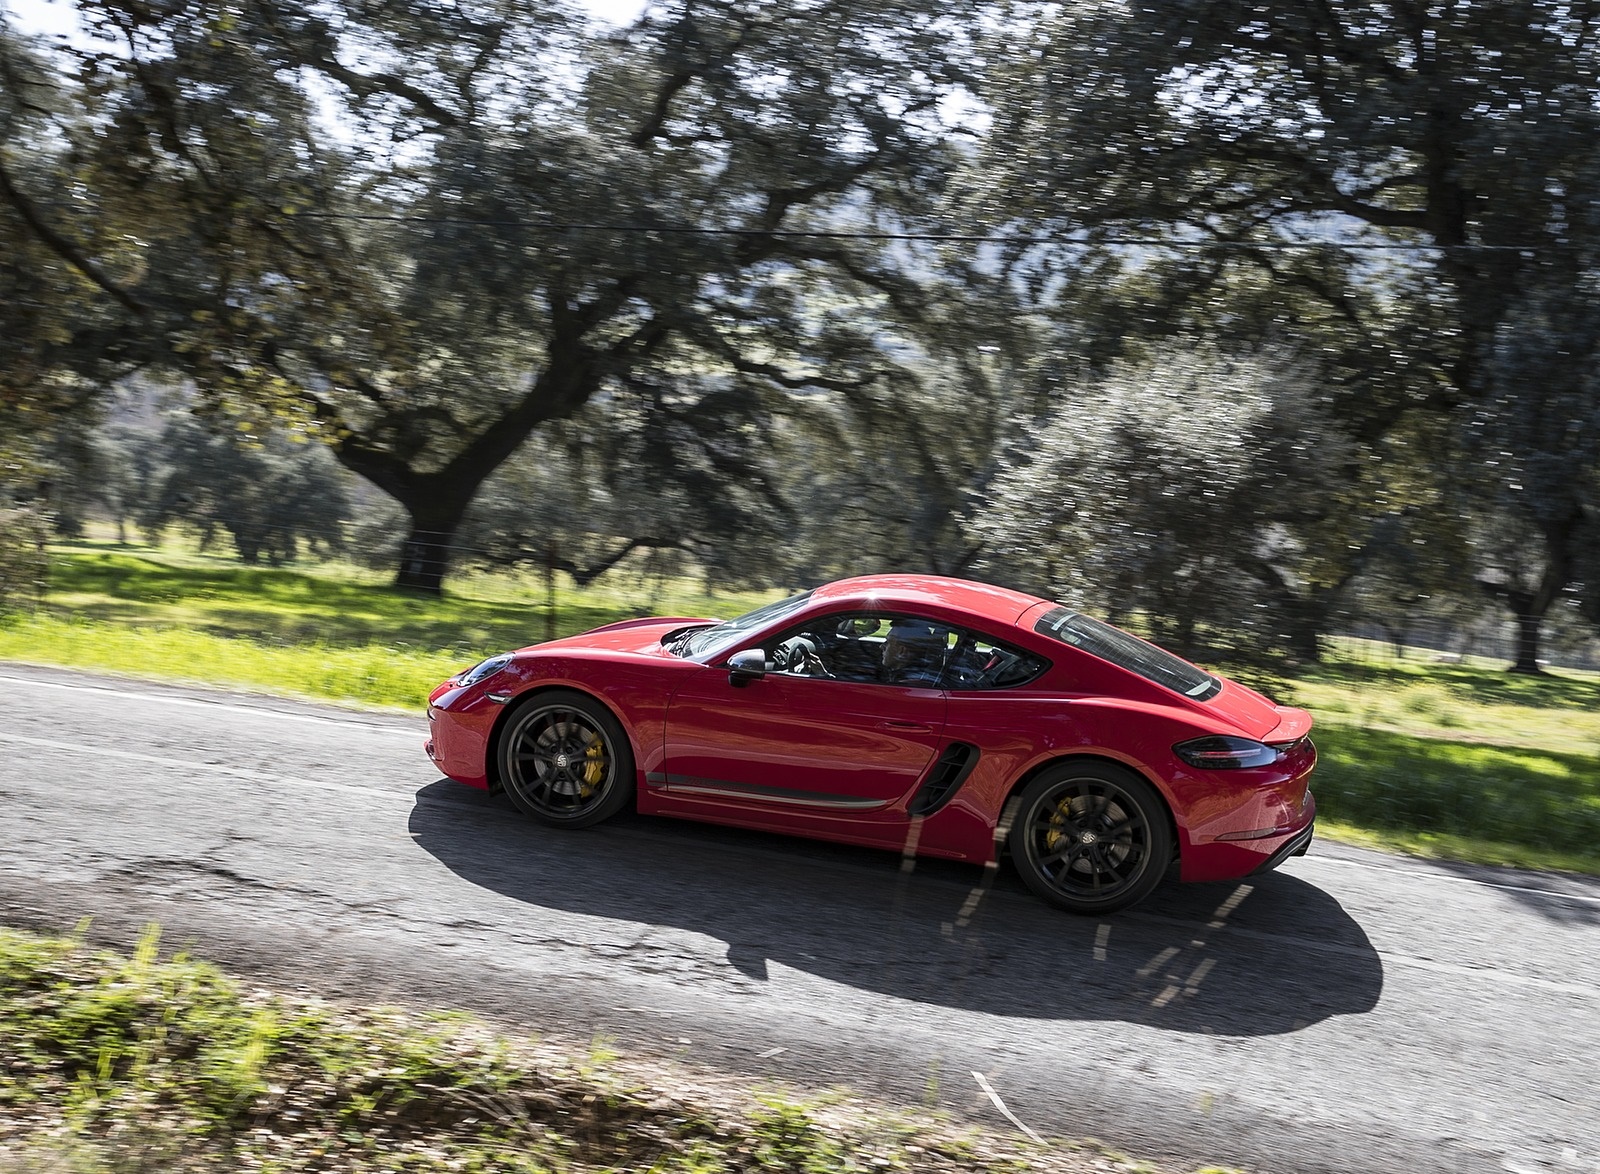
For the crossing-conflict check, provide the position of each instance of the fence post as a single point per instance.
(550, 590)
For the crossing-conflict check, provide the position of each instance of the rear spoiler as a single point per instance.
(1293, 724)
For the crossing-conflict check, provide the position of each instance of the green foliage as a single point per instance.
(686, 479)
(787, 1138)
(1458, 353)
(269, 494)
(24, 563)
(121, 1065)
(1198, 490)
(388, 260)
(54, 311)
(420, 298)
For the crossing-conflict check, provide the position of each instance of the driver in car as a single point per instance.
(913, 654)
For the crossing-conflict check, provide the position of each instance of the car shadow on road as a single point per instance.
(1265, 956)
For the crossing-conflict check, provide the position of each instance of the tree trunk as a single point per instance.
(1528, 625)
(1305, 634)
(424, 558)
(1302, 614)
(1530, 607)
(430, 545)
(437, 501)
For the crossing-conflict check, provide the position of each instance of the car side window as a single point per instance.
(977, 662)
(867, 648)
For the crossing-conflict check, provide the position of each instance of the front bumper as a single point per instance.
(460, 722)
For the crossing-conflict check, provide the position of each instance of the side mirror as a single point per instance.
(744, 667)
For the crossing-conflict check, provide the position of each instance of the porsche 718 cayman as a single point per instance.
(921, 714)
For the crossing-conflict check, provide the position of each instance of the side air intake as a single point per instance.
(945, 779)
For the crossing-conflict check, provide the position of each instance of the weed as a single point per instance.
(139, 1065)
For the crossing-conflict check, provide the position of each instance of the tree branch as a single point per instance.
(64, 248)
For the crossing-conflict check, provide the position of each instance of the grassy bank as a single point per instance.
(1463, 761)
(119, 1065)
(328, 633)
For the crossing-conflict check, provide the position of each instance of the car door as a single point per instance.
(803, 743)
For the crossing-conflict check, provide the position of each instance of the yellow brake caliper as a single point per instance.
(594, 767)
(1058, 820)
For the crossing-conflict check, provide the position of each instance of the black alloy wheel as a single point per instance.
(565, 759)
(1091, 838)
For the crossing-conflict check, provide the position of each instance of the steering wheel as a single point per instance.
(792, 655)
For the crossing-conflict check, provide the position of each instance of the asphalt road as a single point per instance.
(1353, 1012)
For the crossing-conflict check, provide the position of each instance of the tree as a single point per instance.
(1191, 490)
(24, 565)
(685, 469)
(1460, 138)
(269, 495)
(53, 297)
(503, 216)
(1530, 465)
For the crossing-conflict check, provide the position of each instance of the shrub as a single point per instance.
(24, 565)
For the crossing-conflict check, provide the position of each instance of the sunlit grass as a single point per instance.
(317, 633)
(1464, 800)
(1557, 711)
(365, 674)
(1462, 761)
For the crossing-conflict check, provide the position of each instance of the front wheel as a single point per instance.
(1091, 838)
(565, 760)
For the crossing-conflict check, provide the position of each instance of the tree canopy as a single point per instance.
(751, 281)
(429, 231)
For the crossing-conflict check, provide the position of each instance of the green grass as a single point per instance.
(1487, 804)
(1557, 711)
(140, 1065)
(327, 633)
(1463, 761)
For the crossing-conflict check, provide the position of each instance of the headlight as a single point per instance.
(1224, 752)
(484, 669)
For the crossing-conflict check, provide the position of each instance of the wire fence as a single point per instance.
(1486, 639)
(1443, 640)
(426, 558)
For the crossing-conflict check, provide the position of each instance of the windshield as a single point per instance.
(710, 641)
(1129, 652)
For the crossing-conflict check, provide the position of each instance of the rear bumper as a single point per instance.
(1296, 845)
(1226, 858)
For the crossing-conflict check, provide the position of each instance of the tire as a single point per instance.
(1091, 837)
(565, 760)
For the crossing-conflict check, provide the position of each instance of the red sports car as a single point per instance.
(925, 715)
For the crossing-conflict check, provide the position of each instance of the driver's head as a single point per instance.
(911, 642)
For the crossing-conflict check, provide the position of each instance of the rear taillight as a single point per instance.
(1225, 752)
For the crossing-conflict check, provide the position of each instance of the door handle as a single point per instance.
(906, 727)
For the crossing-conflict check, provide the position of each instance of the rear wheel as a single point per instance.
(565, 760)
(1091, 838)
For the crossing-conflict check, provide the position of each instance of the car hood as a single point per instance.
(1257, 716)
(639, 636)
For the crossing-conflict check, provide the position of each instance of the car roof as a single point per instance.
(1000, 604)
